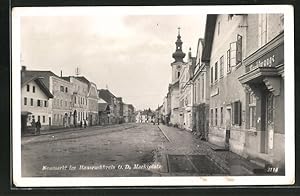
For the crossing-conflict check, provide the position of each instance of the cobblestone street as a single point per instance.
(126, 150)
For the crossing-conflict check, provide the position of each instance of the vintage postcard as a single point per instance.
(153, 96)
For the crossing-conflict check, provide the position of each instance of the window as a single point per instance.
(45, 103)
(262, 29)
(33, 89)
(62, 88)
(216, 116)
(178, 74)
(252, 110)
(31, 102)
(239, 49)
(66, 103)
(39, 118)
(61, 103)
(212, 75)
(44, 119)
(28, 87)
(228, 61)
(216, 71)
(66, 89)
(38, 102)
(221, 66)
(236, 111)
(211, 117)
(25, 100)
(222, 116)
(75, 99)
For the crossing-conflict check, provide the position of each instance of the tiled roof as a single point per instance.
(106, 95)
(83, 79)
(41, 74)
(39, 81)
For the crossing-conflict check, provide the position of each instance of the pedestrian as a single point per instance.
(33, 125)
(38, 127)
(84, 121)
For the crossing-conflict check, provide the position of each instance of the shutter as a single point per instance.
(232, 114)
(239, 49)
(233, 53)
(239, 115)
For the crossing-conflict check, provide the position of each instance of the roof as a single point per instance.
(39, 81)
(208, 36)
(44, 75)
(106, 95)
(83, 79)
(102, 107)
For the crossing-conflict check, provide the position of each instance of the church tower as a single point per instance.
(178, 55)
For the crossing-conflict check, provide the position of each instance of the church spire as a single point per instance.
(178, 55)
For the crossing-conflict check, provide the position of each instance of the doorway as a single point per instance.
(268, 127)
(228, 126)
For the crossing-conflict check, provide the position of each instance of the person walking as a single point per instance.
(38, 127)
(33, 125)
(84, 121)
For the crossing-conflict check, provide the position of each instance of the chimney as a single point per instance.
(190, 54)
(23, 68)
(61, 73)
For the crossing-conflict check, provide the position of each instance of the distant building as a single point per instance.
(80, 101)
(186, 94)
(111, 100)
(35, 101)
(103, 112)
(201, 91)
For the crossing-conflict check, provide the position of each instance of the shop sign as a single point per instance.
(271, 59)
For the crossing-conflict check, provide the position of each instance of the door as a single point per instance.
(269, 126)
(228, 126)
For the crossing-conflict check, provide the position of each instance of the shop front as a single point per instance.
(264, 84)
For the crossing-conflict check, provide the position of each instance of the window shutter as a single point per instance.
(239, 49)
(233, 53)
(239, 121)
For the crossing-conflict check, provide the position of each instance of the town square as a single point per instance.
(153, 96)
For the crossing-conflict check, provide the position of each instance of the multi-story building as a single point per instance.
(263, 79)
(103, 112)
(60, 106)
(131, 113)
(186, 94)
(178, 55)
(35, 101)
(80, 101)
(200, 81)
(119, 110)
(111, 100)
(125, 113)
(92, 100)
(247, 84)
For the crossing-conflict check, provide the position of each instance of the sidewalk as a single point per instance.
(68, 129)
(184, 142)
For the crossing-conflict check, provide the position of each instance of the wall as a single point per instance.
(227, 89)
(35, 110)
(61, 103)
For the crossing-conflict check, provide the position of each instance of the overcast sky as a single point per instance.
(129, 54)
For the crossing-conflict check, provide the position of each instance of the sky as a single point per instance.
(128, 54)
